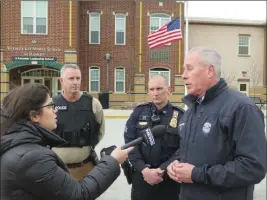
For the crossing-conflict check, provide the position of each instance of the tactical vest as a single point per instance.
(165, 146)
(76, 121)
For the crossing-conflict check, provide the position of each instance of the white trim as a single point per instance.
(226, 21)
(34, 19)
(160, 19)
(37, 69)
(99, 22)
(124, 39)
(238, 53)
(89, 78)
(32, 78)
(115, 80)
(246, 92)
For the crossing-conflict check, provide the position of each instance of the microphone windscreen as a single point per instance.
(159, 130)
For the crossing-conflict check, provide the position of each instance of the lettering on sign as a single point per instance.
(33, 50)
(22, 48)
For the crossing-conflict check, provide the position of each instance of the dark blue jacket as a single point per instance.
(162, 153)
(224, 138)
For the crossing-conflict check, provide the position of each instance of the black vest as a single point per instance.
(164, 146)
(76, 121)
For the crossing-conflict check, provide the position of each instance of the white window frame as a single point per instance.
(99, 23)
(158, 71)
(115, 80)
(122, 16)
(34, 19)
(248, 46)
(92, 68)
(156, 16)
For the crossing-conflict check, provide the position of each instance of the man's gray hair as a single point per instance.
(66, 66)
(210, 57)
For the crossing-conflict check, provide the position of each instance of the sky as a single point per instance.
(250, 10)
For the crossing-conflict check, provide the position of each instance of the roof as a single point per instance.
(220, 21)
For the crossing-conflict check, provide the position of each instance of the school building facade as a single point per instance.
(108, 40)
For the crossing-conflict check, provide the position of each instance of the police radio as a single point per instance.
(155, 118)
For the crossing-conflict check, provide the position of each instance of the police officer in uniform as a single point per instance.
(80, 121)
(149, 179)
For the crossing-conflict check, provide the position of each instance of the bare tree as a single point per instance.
(229, 77)
(255, 75)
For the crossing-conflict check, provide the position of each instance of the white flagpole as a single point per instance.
(186, 34)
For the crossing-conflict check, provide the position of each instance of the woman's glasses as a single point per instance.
(51, 105)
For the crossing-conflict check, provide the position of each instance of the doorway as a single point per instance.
(48, 77)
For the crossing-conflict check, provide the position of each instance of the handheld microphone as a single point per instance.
(147, 137)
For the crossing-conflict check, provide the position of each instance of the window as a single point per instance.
(162, 71)
(94, 28)
(119, 80)
(243, 46)
(243, 87)
(94, 80)
(120, 29)
(160, 55)
(157, 21)
(34, 17)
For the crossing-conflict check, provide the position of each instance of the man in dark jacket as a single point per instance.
(222, 139)
(149, 179)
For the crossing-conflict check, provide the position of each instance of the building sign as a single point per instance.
(33, 50)
(34, 58)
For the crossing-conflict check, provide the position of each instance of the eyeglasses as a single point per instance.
(52, 105)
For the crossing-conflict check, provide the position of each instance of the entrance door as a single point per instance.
(48, 77)
(38, 80)
(26, 80)
(48, 83)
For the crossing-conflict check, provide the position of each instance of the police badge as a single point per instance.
(173, 122)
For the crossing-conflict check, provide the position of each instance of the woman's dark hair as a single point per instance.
(19, 102)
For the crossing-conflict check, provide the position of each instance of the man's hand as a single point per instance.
(153, 176)
(183, 172)
(171, 172)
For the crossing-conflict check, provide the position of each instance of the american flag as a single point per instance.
(167, 33)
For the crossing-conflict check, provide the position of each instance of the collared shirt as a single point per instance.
(200, 99)
(166, 110)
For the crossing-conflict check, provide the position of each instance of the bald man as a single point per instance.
(149, 179)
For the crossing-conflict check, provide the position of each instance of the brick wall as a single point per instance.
(127, 55)
(11, 31)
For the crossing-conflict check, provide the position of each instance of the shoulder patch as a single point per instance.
(178, 108)
(143, 104)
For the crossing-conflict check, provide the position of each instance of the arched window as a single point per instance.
(163, 71)
(94, 79)
(157, 20)
(119, 80)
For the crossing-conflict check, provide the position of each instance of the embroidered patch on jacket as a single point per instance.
(206, 128)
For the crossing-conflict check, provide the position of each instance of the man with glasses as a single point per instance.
(80, 122)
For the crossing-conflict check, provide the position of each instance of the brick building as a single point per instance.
(40, 36)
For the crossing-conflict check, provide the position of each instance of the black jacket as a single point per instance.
(224, 138)
(163, 152)
(31, 170)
